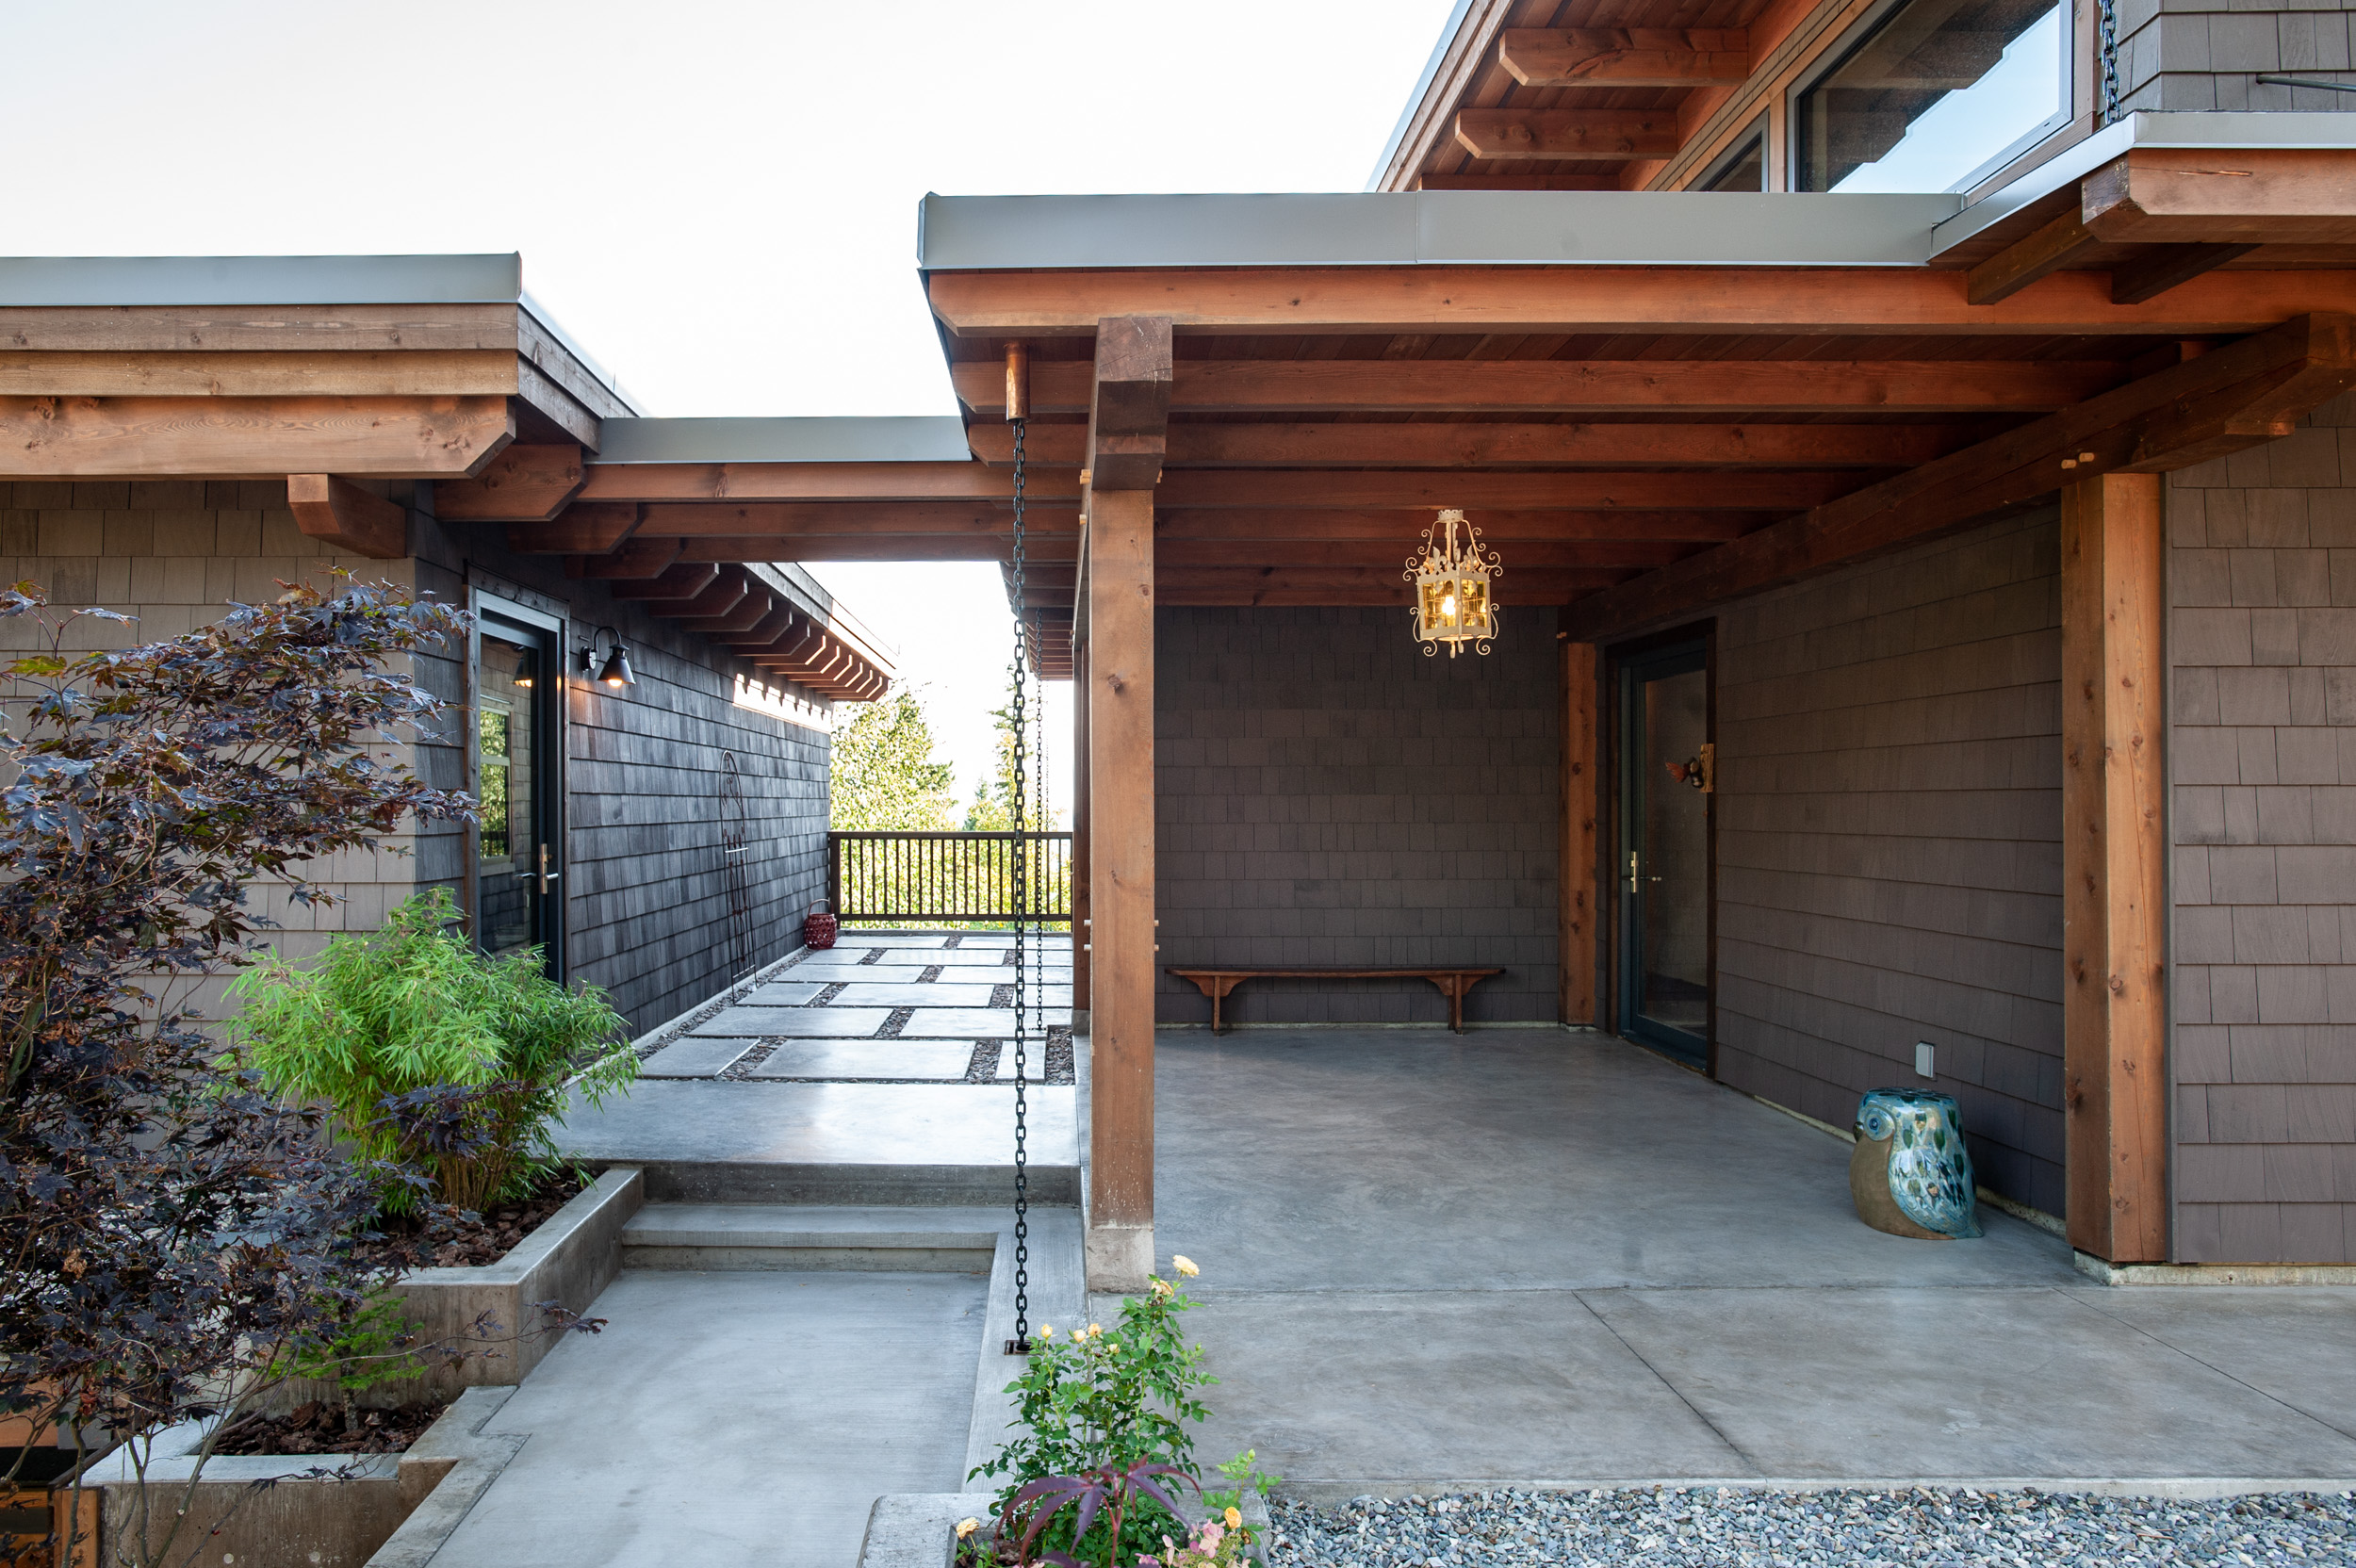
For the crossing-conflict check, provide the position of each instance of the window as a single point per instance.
(1936, 93)
(1741, 168)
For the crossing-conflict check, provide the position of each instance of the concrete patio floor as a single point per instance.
(1433, 1262)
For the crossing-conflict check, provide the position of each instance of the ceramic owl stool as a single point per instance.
(1910, 1174)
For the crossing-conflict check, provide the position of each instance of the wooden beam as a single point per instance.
(755, 607)
(2114, 869)
(338, 513)
(1080, 833)
(1528, 585)
(2153, 269)
(814, 481)
(441, 437)
(873, 546)
(1129, 404)
(2227, 399)
(670, 586)
(1623, 56)
(765, 633)
(585, 528)
(310, 373)
(635, 560)
(2063, 242)
(1499, 525)
(2249, 196)
(726, 590)
(1528, 179)
(1581, 913)
(1509, 387)
(1586, 134)
(1391, 553)
(1485, 445)
(788, 520)
(526, 484)
(1677, 301)
(1572, 490)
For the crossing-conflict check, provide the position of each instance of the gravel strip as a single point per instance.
(742, 1067)
(1691, 1527)
(931, 972)
(894, 1022)
(826, 998)
(983, 1069)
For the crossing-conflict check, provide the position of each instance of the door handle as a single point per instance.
(547, 876)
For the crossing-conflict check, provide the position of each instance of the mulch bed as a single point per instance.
(321, 1428)
(456, 1240)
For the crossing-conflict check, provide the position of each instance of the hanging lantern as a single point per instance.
(1451, 579)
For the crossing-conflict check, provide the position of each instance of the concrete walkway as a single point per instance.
(1432, 1262)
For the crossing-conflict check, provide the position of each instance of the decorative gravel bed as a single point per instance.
(1709, 1526)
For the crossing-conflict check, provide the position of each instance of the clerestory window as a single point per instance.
(1933, 95)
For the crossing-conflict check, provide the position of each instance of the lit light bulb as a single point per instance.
(1447, 606)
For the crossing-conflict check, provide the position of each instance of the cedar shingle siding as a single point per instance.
(1889, 842)
(1325, 794)
(2262, 567)
(648, 916)
(2199, 55)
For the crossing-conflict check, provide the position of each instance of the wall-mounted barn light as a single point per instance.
(1451, 577)
(614, 672)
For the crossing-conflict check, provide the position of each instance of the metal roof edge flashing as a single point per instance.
(912, 438)
(1415, 95)
(1431, 227)
(486, 278)
(2220, 129)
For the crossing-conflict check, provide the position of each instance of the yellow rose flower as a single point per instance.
(967, 1526)
(1046, 1330)
(1095, 1328)
(1235, 1518)
(1183, 1265)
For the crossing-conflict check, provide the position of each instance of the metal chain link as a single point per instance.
(1021, 1344)
(2110, 62)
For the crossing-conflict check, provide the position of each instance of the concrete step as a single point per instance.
(734, 1236)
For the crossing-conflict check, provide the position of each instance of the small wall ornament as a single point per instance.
(1910, 1174)
(1453, 600)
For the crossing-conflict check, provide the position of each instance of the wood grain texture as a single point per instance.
(528, 483)
(2250, 196)
(1121, 860)
(1623, 56)
(2060, 243)
(337, 511)
(178, 329)
(1679, 300)
(207, 438)
(1581, 899)
(1597, 134)
(1418, 490)
(305, 373)
(1477, 445)
(1579, 386)
(590, 528)
(1081, 830)
(2114, 869)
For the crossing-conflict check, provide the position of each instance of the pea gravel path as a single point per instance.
(1706, 1527)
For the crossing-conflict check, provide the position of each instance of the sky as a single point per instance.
(717, 201)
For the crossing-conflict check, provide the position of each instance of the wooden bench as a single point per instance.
(1217, 982)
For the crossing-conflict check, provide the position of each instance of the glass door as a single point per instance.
(517, 877)
(1664, 851)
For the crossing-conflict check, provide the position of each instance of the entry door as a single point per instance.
(518, 878)
(1665, 852)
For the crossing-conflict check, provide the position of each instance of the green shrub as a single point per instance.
(416, 1006)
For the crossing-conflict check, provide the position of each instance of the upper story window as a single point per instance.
(1934, 94)
(1744, 166)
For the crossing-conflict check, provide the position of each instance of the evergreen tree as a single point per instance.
(883, 777)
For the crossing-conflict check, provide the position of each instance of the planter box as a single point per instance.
(571, 1258)
(919, 1529)
(304, 1521)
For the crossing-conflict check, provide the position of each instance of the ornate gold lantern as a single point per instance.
(1451, 579)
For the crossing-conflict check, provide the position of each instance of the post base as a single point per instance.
(1120, 1258)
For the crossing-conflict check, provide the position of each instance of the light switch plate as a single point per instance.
(1923, 1052)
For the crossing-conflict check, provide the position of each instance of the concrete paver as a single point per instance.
(940, 993)
(826, 970)
(804, 1124)
(858, 1060)
(694, 1056)
(732, 1418)
(798, 993)
(797, 1022)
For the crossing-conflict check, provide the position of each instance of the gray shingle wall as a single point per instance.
(647, 916)
(2208, 53)
(2262, 567)
(1888, 842)
(1325, 794)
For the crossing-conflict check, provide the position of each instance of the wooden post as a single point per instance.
(1129, 415)
(1080, 835)
(2114, 863)
(1582, 809)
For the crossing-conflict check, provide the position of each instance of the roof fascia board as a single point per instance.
(598, 372)
(1453, 41)
(923, 438)
(2221, 130)
(1431, 228)
(791, 580)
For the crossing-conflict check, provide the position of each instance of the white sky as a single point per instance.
(716, 200)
